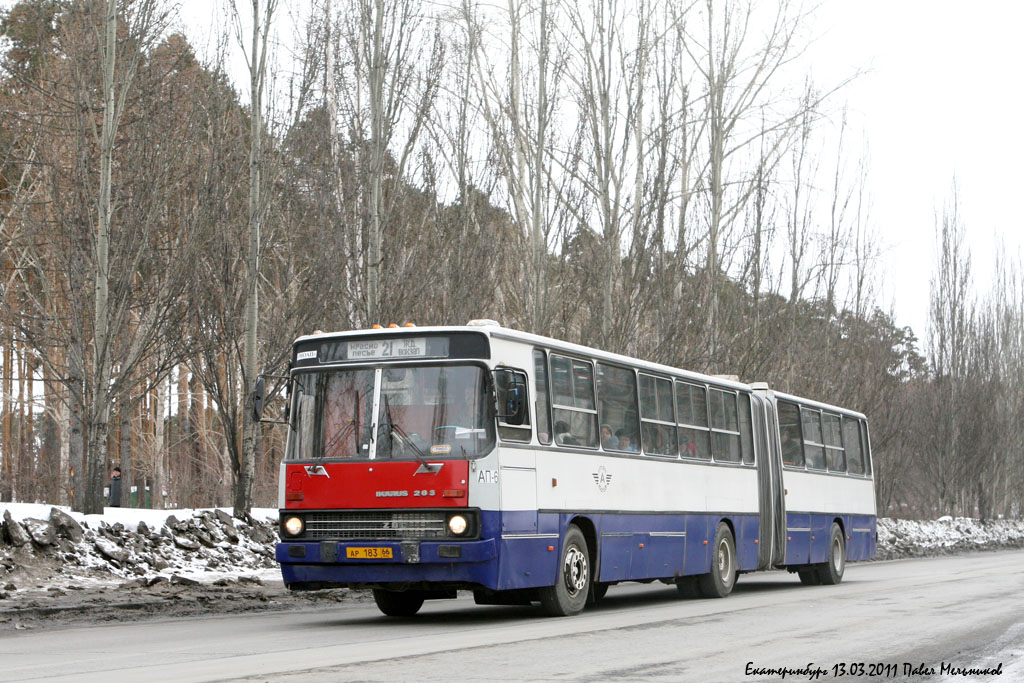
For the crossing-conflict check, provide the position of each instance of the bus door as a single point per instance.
(772, 502)
(517, 461)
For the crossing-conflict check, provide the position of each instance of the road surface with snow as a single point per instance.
(964, 611)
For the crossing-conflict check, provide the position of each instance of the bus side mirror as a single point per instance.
(511, 396)
(259, 394)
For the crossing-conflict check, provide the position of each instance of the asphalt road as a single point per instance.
(967, 611)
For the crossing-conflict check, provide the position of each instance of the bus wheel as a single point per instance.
(572, 586)
(597, 592)
(809, 577)
(396, 604)
(719, 582)
(831, 572)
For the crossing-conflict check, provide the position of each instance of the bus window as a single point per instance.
(509, 432)
(746, 430)
(791, 437)
(725, 428)
(692, 417)
(616, 388)
(348, 404)
(814, 448)
(835, 457)
(540, 373)
(583, 384)
(659, 429)
(561, 380)
(851, 437)
(865, 444)
(573, 403)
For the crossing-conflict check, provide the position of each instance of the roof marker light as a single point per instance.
(392, 325)
(375, 326)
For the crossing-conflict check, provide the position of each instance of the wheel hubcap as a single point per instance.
(575, 571)
(724, 562)
(837, 555)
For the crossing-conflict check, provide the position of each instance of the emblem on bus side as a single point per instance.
(602, 479)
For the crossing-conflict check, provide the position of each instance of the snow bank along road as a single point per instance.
(965, 611)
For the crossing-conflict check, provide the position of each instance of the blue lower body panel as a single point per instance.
(808, 536)
(630, 547)
(637, 547)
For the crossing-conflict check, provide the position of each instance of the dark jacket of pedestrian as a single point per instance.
(115, 489)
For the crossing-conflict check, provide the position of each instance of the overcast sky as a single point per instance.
(942, 99)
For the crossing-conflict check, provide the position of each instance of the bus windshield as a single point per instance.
(422, 412)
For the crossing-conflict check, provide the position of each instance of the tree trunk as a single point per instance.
(76, 436)
(377, 152)
(159, 471)
(125, 455)
(96, 467)
(250, 428)
(7, 432)
(99, 409)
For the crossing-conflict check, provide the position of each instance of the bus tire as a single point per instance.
(831, 572)
(809, 577)
(395, 604)
(719, 582)
(572, 584)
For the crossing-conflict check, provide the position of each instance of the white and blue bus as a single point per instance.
(423, 461)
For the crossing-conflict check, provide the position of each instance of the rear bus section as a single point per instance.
(828, 504)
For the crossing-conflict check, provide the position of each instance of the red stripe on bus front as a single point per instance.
(375, 485)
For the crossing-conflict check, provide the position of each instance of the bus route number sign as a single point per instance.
(409, 347)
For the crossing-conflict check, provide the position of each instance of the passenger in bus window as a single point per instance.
(791, 452)
(608, 439)
(687, 447)
(562, 435)
(626, 441)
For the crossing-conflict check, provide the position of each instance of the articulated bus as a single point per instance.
(423, 461)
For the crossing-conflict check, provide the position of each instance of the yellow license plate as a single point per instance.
(369, 553)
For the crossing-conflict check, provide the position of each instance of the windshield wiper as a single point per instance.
(396, 430)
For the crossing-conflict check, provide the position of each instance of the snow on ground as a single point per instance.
(47, 546)
(40, 547)
(910, 538)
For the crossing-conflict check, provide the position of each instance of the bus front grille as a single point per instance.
(343, 525)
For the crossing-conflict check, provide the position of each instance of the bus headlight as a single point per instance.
(293, 526)
(457, 524)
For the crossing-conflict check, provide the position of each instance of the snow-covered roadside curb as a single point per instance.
(899, 538)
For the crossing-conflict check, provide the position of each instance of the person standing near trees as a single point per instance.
(115, 488)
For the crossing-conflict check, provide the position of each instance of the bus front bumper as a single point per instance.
(322, 563)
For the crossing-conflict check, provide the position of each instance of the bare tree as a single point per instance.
(951, 317)
(256, 59)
